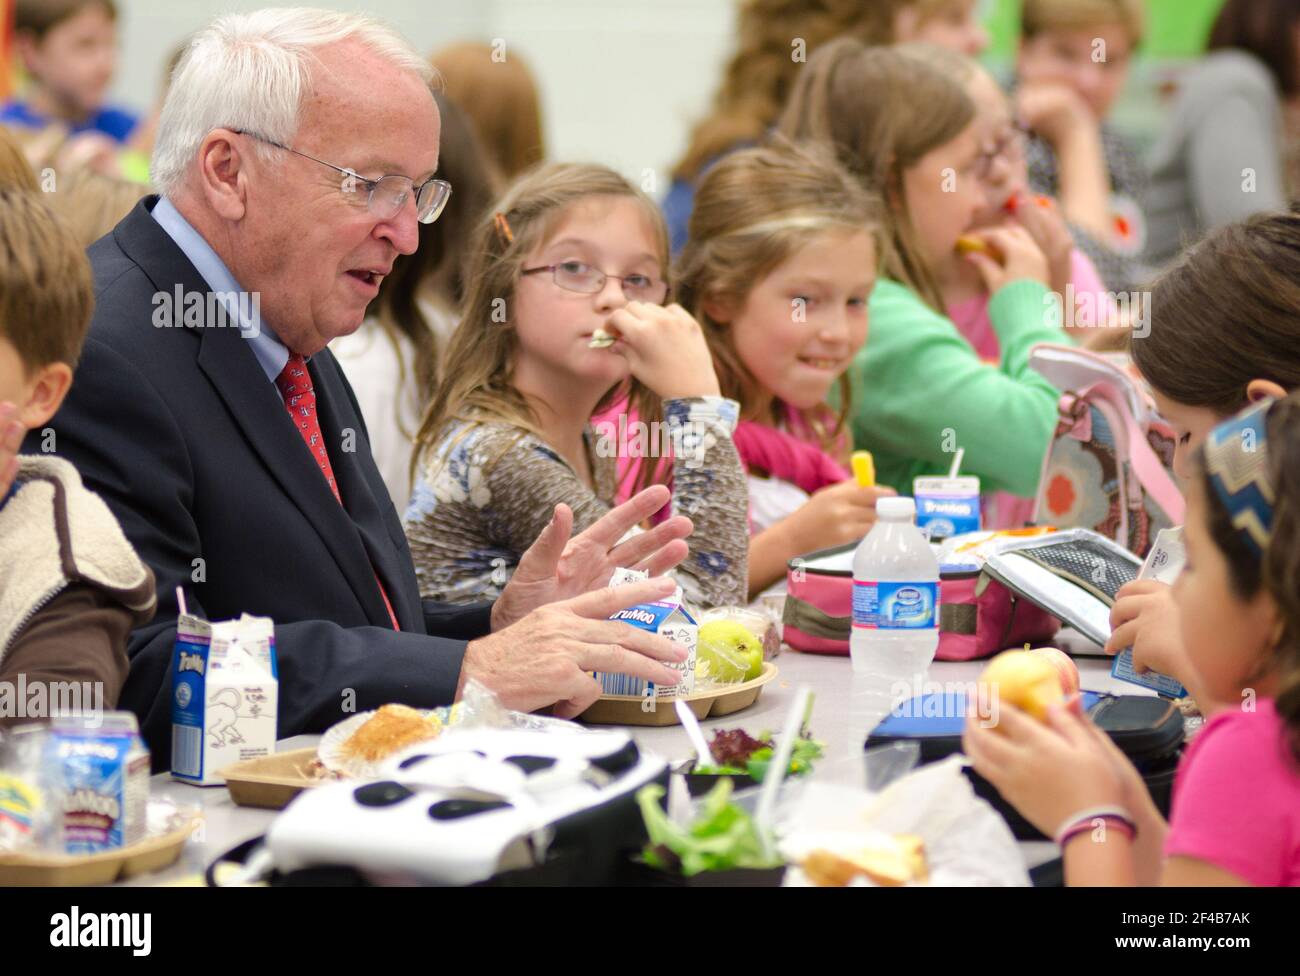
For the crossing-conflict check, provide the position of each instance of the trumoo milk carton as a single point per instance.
(224, 695)
(668, 618)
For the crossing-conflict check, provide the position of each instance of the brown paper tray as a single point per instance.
(76, 870)
(626, 709)
(271, 781)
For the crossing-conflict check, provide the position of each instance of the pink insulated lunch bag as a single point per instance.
(978, 616)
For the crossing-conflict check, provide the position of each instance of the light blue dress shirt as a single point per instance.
(271, 353)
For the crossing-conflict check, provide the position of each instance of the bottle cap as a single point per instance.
(896, 507)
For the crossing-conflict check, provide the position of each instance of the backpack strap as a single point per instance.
(1151, 473)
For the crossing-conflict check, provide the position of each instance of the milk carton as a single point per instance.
(224, 695)
(667, 618)
(947, 506)
(98, 783)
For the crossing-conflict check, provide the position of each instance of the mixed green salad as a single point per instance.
(740, 754)
(723, 837)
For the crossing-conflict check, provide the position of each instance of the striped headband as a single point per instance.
(1236, 460)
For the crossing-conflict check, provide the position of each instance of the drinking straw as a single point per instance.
(694, 733)
(956, 462)
(776, 770)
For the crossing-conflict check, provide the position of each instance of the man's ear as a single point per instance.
(222, 174)
(1257, 390)
(47, 390)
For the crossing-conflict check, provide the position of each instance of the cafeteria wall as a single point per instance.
(621, 80)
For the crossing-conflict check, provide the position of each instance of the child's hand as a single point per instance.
(1136, 797)
(1020, 257)
(1042, 218)
(665, 348)
(834, 515)
(1145, 618)
(1052, 110)
(1047, 772)
(11, 441)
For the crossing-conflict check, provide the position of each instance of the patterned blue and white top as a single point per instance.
(489, 488)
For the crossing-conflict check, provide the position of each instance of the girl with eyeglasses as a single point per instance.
(1009, 201)
(564, 316)
(920, 390)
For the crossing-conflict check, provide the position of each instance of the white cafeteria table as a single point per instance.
(842, 712)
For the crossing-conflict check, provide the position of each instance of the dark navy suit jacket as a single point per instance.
(181, 433)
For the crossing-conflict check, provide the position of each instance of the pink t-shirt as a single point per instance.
(971, 317)
(1236, 800)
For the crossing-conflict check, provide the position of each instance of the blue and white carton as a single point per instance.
(98, 778)
(947, 506)
(225, 687)
(668, 618)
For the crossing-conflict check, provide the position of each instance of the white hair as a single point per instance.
(251, 71)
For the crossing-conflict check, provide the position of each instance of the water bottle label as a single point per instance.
(895, 606)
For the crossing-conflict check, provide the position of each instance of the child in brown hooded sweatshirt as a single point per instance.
(71, 586)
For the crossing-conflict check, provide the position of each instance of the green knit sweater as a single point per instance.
(920, 391)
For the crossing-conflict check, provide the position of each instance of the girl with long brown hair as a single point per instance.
(778, 269)
(773, 40)
(920, 391)
(1224, 333)
(564, 314)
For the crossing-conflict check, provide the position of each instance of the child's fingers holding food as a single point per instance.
(665, 349)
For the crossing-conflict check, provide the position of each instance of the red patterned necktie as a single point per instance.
(294, 384)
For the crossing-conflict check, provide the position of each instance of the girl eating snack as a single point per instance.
(564, 315)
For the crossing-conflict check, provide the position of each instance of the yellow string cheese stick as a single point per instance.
(864, 468)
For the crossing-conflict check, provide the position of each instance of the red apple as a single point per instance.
(1064, 665)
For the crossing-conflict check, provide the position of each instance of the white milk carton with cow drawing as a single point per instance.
(224, 695)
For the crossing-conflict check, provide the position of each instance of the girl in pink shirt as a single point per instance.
(778, 270)
(1235, 818)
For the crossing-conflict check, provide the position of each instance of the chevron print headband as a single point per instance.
(1236, 459)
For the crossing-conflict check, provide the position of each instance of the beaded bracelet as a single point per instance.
(1116, 823)
(1083, 820)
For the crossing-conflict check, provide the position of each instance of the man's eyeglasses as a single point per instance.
(386, 196)
(583, 278)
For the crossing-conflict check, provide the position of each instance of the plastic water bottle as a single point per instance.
(895, 599)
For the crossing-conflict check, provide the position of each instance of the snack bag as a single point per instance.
(224, 695)
(24, 813)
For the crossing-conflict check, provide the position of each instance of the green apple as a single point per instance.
(728, 652)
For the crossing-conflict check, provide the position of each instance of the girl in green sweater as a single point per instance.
(919, 389)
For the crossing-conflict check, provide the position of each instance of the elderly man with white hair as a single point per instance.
(296, 152)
